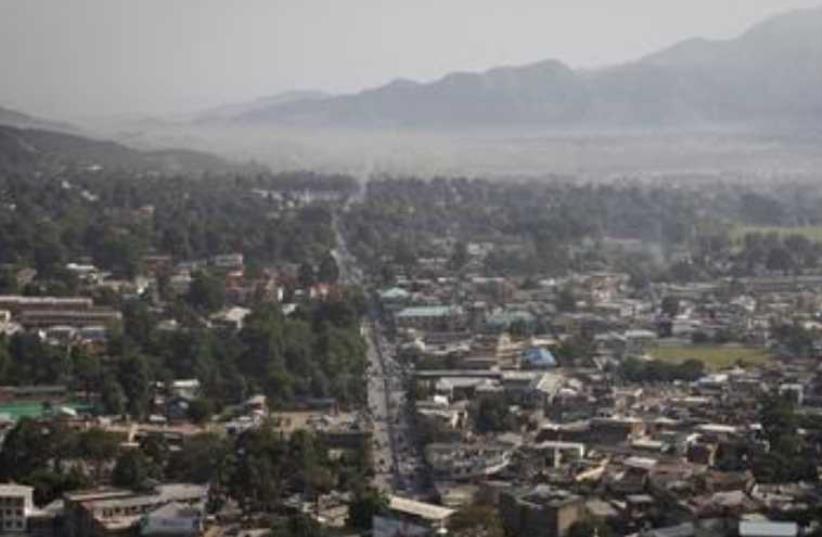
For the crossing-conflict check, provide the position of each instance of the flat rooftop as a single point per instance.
(423, 510)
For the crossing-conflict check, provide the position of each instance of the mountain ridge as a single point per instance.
(771, 71)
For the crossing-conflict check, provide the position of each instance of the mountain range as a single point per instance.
(770, 74)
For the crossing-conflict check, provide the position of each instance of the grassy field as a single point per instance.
(813, 233)
(33, 409)
(715, 357)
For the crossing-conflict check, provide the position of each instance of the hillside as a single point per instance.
(14, 118)
(35, 149)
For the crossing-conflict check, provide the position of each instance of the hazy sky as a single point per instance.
(70, 58)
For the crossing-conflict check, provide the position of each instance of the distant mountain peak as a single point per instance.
(770, 71)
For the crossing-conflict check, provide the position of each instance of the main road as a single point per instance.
(398, 467)
(379, 399)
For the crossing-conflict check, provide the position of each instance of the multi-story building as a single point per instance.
(114, 512)
(15, 507)
(542, 511)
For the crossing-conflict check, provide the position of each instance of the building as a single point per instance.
(228, 261)
(42, 318)
(542, 511)
(173, 520)
(616, 429)
(501, 321)
(767, 528)
(18, 304)
(116, 512)
(434, 318)
(411, 518)
(16, 506)
(230, 319)
(458, 461)
(538, 358)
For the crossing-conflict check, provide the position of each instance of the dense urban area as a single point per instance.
(254, 354)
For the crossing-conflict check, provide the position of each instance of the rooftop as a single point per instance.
(428, 311)
(767, 529)
(423, 510)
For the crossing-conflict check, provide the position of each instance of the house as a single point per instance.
(538, 358)
(179, 283)
(173, 520)
(503, 320)
(230, 319)
(187, 388)
(394, 298)
(228, 261)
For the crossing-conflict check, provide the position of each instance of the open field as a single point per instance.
(715, 357)
(33, 409)
(813, 233)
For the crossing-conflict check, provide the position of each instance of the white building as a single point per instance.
(15, 507)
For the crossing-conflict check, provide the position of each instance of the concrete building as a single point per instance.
(434, 318)
(542, 511)
(16, 506)
(116, 512)
(411, 518)
(173, 520)
(458, 461)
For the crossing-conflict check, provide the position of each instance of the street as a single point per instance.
(398, 466)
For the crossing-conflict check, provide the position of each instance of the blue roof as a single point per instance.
(538, 357)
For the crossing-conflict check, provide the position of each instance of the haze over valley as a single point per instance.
(749, 105)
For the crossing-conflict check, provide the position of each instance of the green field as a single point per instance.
(715, 357)
(16, 411)
(813, 233)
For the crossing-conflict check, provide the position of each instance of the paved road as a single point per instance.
(384, 449)
(398, 465)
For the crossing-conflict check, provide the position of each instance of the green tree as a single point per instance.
(670, 306)
(135, 378)
(138, 321)
(27, 447)
(112, 396)
(98, 447)
(328, 271)
(788, 457)
(459, 256)
(200, 459)
(132, 470)
(493, 415)
(365, 504)
(566, 299)
(120, 252)
(206, 293)
(306, 276)
(200, 410)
